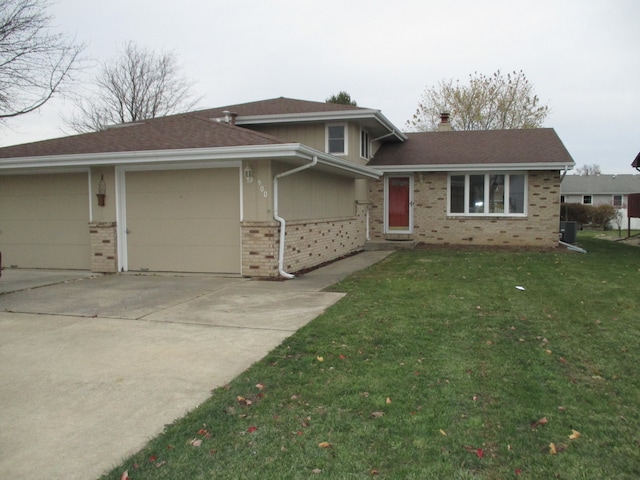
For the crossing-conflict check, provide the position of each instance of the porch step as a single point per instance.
(390, 245)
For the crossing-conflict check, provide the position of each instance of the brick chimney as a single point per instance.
(444, 125)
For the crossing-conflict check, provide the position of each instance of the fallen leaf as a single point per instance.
(320, 359)
(260, 386)
(480, 453)
(252, 429)
(160, 464)
(317, 471)
(342, 357)
(443, 433)
(125, 475)
(325, 445)
(388, 401)
(542, 421)
(153, 458)
(518, 471)
(548, 352)
(196, 442)
(376, 414)
(552, 449)
(374, 472)
(574, 434)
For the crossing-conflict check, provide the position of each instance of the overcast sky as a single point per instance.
(582, 56)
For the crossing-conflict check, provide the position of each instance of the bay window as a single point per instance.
(501, 194)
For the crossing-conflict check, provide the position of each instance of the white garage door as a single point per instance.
(44, 221)
(183, 220)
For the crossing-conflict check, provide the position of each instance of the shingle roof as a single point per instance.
(164, 133)
(523, 146)
(600, 184)
(636, 162)
(276, 106)
(198, 129)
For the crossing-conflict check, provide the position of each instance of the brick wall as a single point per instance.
(307, 243)
(104, 247)
(432, 225)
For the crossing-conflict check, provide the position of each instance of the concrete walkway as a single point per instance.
(92, 367)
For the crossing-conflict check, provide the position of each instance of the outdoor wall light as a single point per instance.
(102, 190)
(248, 174)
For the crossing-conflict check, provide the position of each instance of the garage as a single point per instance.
(44, 221)
(183, 220)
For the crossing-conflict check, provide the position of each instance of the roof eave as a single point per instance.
(338, 115)
(480, 167)
(192, 156)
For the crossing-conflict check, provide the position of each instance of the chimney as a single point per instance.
(444, 125)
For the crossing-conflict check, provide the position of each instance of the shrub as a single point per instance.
(598, 216)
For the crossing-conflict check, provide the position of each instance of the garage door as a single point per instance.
(183, 220)
(44, 221)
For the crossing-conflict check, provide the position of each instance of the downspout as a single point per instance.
(281, 220)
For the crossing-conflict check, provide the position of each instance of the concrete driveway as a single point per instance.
(92, 367)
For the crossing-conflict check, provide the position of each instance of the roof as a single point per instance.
(636, 162)
(198, 129)
(536, 148)
(164, 133)
(600, 184)
(277, 106)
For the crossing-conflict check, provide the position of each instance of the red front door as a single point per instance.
(398, 203)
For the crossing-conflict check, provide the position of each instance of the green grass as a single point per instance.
(435, 366)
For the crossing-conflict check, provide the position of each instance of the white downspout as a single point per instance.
(281, 220)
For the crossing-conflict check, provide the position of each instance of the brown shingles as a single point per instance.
(167, 133)
(525, 146)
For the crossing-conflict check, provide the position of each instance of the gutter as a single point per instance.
(281, 220)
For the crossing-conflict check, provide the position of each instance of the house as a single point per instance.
(267, 188)
(602, 190)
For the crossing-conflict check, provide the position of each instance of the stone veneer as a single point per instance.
(432, 225)
(104, 247)
(307, 243)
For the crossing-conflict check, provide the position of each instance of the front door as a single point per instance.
(399, 203)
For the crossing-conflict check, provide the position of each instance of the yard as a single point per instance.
(439, 363)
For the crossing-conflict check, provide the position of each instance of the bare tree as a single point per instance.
(588, 169)
(35, 63)
(485, 103)
(138, 84)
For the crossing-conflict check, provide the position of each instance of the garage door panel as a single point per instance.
(184, 220)
(179, 259)
(44, 220)
(175, 204)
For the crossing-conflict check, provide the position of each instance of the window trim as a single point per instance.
(365, 139)
(584, 198)
(613, 201)
(487, 177)
(346, 138)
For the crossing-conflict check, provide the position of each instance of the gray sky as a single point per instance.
(582, 56)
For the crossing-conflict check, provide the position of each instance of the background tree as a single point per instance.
(490, 102)
(588, 169)
(136, 85)
(342, 98)
(35, 63)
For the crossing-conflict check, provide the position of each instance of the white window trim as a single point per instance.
(366, 155)
(487, 176)
(346, 138)
(613, 201)
(585, 203)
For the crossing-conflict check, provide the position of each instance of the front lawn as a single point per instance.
(438, 364)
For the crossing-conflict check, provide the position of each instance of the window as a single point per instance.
(487, 194)
(617, 201)
(365, 144)
(561, 198)
(337, 139)
(587, 199)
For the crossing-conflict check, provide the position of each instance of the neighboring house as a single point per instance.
(270, 187)
(602, 190)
